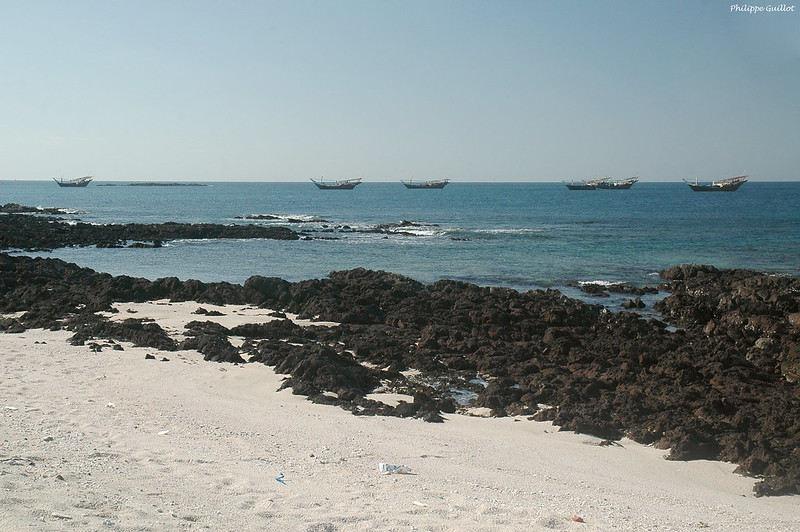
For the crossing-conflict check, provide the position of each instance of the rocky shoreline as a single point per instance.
(719, 383)
(44, 229)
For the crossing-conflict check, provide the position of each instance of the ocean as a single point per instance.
(519, 235)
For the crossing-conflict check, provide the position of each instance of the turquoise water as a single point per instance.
(521, 235)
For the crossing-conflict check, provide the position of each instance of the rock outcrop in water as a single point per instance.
(40, 233)
(722, 386)
(16, 208)
(22, 229)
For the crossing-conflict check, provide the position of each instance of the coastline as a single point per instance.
(723, 385)
(712, 380)
(112, 440)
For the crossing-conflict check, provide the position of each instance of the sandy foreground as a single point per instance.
(110, 440)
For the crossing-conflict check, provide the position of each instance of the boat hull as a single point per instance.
(429, 187)
(723, 185)
(624, 186)
(73, 183)
(606, 183)
(349, 184)
(581, 187)
(715, 188)
(426, 185)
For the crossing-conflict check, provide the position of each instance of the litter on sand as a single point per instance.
(279, 478)
(389, 469)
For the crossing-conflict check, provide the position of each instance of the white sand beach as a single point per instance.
(110, 440)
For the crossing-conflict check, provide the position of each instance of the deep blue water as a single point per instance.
(521, 235)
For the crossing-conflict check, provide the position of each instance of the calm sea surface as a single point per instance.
(520, 235)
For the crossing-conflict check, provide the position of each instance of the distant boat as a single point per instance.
(583, 185)
(721, 185)
(77, 182)
(606, 183)
(342, 184)
(435, 183)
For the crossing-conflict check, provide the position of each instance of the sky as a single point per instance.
(471, 90)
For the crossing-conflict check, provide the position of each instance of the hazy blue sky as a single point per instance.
(472, 90)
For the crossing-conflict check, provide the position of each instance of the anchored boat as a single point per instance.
(721, 185)
(77, 182)
(342, 184)
(606, 183)
(583, 185)
(435, 183)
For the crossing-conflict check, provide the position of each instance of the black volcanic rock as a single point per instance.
(633, 303)
(23, 231)
(279, 329)
(15, 208)
(138, 332)
(319, 367)
(269, 289)
(211, 339)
